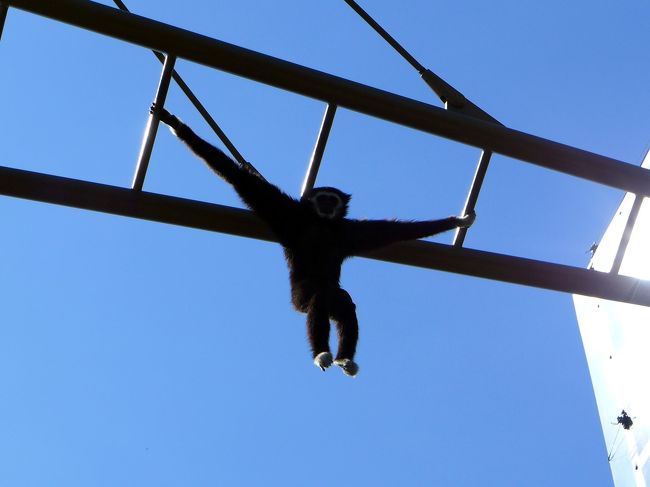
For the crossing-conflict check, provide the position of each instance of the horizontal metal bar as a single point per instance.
(131, 203)
(206, 216)
(344, 93)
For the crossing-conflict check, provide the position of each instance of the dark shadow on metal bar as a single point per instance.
(344, 93)
(319, 150)
(152, 124)
(179, 211)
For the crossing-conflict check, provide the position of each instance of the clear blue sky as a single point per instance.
(140, 354)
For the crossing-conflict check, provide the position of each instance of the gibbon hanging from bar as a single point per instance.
(316, 237)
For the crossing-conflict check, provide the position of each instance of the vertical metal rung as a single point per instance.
(319, 150)
(474, 191)
(152, 124)
(627, 233)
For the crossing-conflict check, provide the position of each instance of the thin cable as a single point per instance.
(382, 32)
(615, 446)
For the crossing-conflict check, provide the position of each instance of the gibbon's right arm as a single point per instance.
(277, 209)
(215, 158)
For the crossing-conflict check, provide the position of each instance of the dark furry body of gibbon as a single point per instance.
(316, 238)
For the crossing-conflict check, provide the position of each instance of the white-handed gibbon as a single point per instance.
(316, 237)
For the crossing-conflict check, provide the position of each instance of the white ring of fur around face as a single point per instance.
(337, 209)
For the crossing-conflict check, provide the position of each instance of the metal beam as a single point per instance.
(206, 216)
(344, 93)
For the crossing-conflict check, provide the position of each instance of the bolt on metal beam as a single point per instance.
(152, 124)
(319, 150)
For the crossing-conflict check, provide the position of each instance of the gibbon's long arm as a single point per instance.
(275, 207)
(366, 235)
(215, 158)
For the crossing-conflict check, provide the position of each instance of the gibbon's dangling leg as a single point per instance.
(310, 299)
(318, 329)
(343, 312)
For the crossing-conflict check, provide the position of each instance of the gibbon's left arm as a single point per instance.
(365, 235)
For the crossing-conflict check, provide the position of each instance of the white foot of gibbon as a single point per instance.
(323, 360)
(348, 366)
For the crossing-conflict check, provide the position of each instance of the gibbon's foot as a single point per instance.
(323, 360)
(349, 367)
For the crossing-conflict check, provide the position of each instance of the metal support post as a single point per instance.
(3, 15)
(319, 150)
(474, 191)
(152, 124)
(627, 233)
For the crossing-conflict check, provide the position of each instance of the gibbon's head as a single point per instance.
(328, 202)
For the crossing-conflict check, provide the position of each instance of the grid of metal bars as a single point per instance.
(462, 121)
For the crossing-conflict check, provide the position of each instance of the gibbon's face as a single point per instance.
(329, 202)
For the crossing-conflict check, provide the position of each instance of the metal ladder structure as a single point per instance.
(461, 121)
